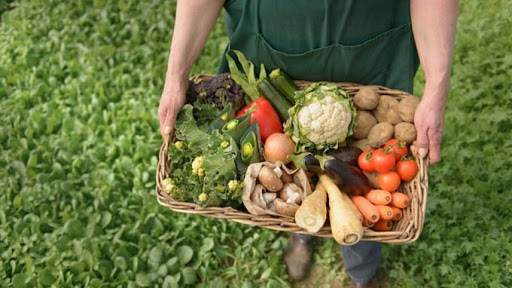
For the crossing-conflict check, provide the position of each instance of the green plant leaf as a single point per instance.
(185, 254)
(189, 275)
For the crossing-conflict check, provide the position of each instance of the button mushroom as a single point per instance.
(291, 193)
(269, 179)
(283, 208)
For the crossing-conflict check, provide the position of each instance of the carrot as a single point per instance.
(383, 225)
(379, 197)
(397, 213)
(312, 214)
(366, 208)
(345, 225)
(367, 223)
(386, 212)
(399, 200)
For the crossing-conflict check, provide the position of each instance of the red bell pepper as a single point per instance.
(268, 120)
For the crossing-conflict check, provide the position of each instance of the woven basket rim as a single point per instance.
(407, 230)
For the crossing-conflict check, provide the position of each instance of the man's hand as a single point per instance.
(429, 121)
(433, 25)
(171, 102)
(194, 21)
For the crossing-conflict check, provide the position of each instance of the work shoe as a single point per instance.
(298, 257)
(361, 285)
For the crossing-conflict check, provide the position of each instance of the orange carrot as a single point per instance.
(397, 213)
(367, 223)
(366, 208)
(379, 197)
(386, 212)
(383, 225)
(399, 200)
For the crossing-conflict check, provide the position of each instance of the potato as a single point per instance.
(380, 133)
(362, 144)
(387, 110)
(405, 132)
(407, 108)
(366, 98)
(365, 122)
(372, 179)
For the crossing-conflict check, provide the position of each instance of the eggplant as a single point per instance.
(346, 154)
(306, 161)
(349, 178)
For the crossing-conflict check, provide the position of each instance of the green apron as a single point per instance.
(360, 41)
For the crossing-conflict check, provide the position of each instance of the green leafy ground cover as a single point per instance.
(79, 87)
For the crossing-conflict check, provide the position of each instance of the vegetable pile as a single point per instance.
(380, 118)
(353, 151)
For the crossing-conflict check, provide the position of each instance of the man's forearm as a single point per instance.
(194, 20)
(433, 24)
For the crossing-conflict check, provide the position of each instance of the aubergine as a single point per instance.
(349, 178)
(346, 154)
(306, 161)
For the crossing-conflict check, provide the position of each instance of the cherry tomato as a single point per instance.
(382, 160)
(389, 181)
(399, 148)
(364, 161)
(407, 169)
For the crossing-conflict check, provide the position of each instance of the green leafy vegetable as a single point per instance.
(248, 80)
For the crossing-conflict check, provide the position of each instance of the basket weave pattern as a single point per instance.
(407, 229)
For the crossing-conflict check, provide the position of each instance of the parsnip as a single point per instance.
(345, 223)
(312, 214)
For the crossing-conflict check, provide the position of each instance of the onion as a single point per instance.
(277, 148)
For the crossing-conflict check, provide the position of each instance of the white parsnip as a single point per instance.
(312, 214)
(346, 226)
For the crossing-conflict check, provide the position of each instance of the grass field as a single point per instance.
(80, 83)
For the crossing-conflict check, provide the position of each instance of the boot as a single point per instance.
(298, 257)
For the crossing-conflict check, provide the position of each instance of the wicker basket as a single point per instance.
(407, 230)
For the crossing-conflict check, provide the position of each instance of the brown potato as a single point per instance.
(407, 108)
(366, 98)
(405, 132)
(387, 110)
(372, 179)
(380, 133)
(365, 122)
(362, 144)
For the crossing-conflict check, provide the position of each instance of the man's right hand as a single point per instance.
(173, 98)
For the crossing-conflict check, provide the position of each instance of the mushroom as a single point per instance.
(269, 179)
(286, 178)
(283, 208)
(291, 193)
(257, 196)
(269, 197)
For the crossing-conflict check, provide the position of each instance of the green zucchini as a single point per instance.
(278, 101)
(284, 84)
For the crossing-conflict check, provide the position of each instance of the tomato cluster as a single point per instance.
(391, 162)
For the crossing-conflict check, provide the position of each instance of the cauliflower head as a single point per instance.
(322, 117)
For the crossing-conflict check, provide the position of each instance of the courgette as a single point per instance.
(284, 84)
(278, 101)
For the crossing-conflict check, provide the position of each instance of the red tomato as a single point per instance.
(407, 169)
(364, 161)
(399, 148)
(382, 160)
(389, 181)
